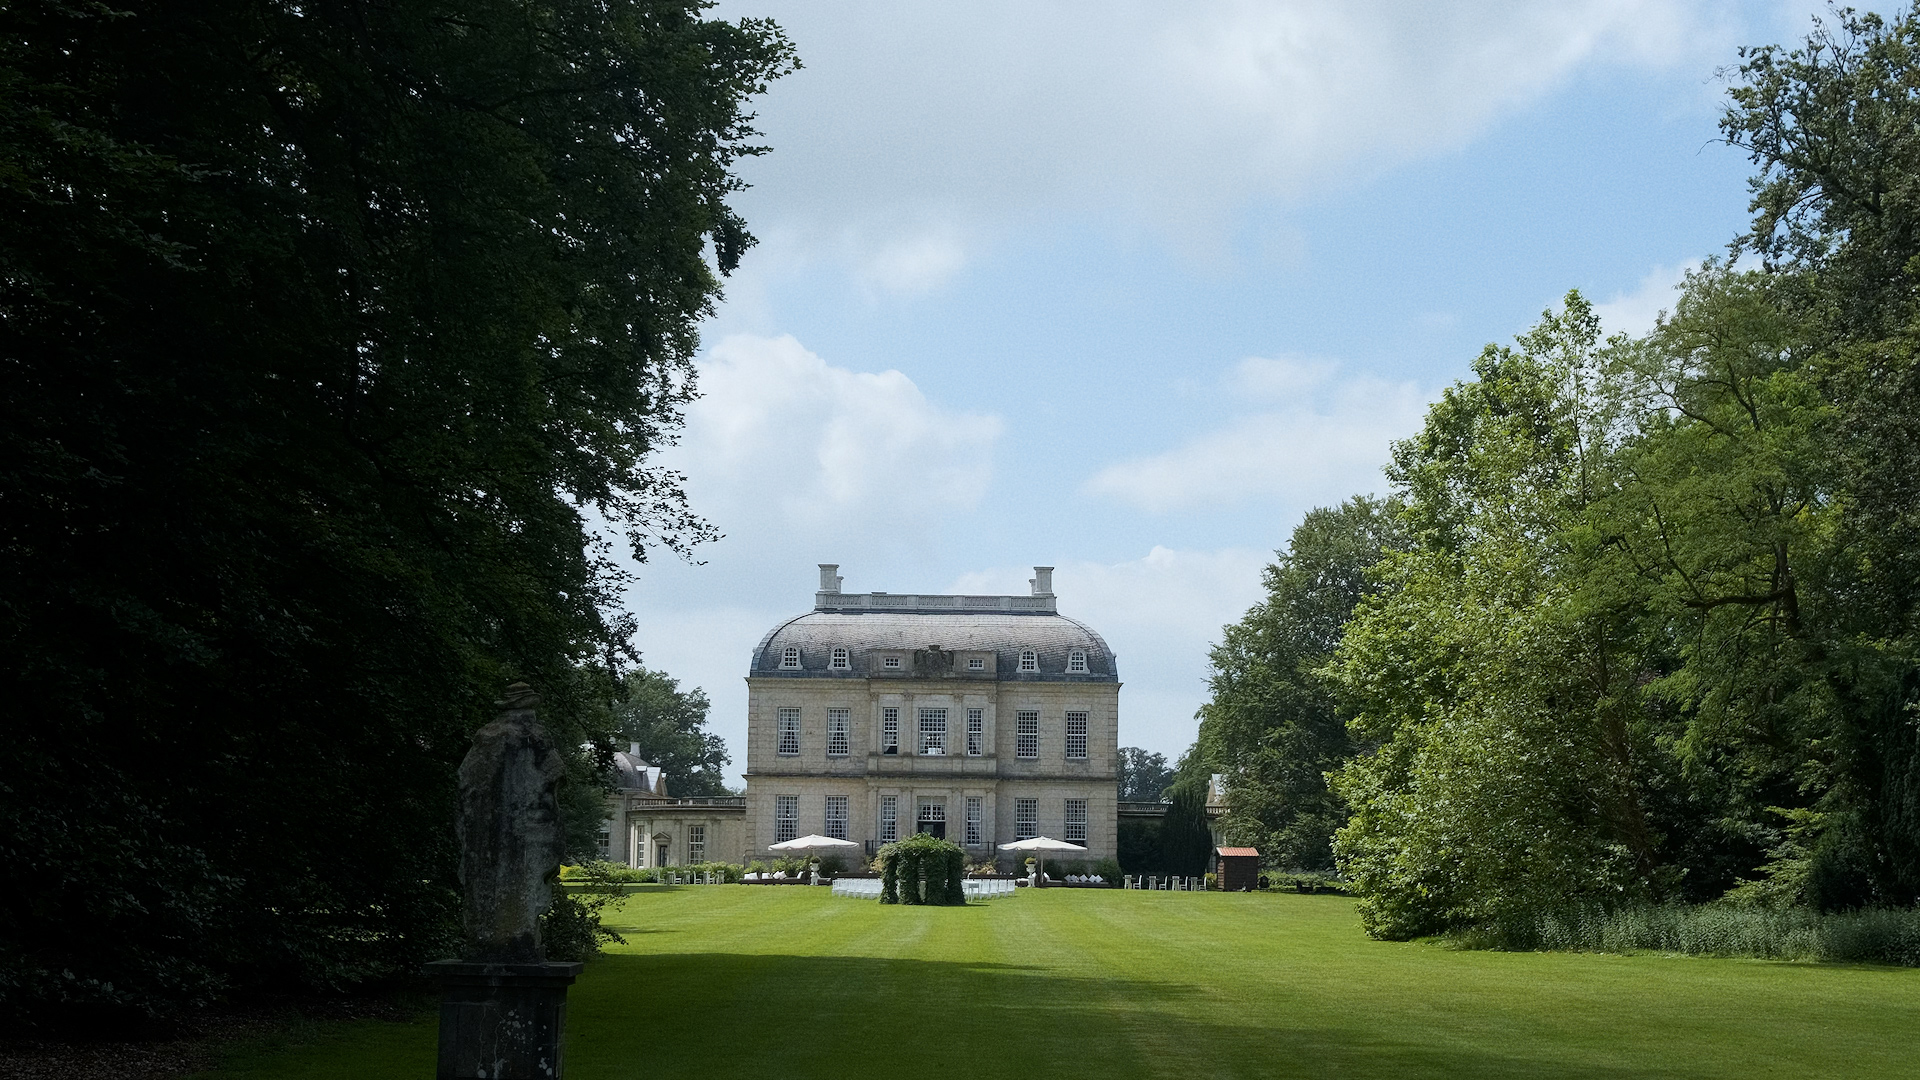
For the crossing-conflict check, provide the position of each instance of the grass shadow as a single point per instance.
(720, 1015)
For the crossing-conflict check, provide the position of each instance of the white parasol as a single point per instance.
(812, 842)
(1041, 845)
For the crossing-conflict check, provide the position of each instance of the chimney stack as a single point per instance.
(1042, 581)
(829, 577)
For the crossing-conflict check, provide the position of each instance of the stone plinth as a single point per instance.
(501, 1021)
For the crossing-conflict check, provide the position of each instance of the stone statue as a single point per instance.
(509, 832)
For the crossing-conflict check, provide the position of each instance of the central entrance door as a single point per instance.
(933, 818)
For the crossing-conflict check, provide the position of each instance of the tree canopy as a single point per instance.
(330, 331)
(1271, 725)
(1643, 626)
(1141, 776)
(669, 726)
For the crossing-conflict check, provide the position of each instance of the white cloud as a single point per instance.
(1326, 440)
(781, 434)
(1160, 614)
(1281, 378)
(976, 117)
(1636, 312)
(916, 262)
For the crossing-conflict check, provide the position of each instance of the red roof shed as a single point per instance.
(1236, 869)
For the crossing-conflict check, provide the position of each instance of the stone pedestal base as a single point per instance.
(501, 1021)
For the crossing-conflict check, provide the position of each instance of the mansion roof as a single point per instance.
(926, 633)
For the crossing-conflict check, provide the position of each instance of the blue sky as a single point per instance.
(1128, 288)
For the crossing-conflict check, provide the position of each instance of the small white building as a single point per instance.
(647, 826)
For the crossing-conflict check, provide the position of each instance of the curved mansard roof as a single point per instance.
(863, 633)
(632, 773)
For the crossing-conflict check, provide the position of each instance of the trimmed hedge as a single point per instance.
(923, 870)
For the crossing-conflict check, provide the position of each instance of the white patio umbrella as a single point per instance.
(811, 842)
(1040, 845)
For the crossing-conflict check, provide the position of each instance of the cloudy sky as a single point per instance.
(1127, 288)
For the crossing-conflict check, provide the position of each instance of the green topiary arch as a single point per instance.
(922, 869)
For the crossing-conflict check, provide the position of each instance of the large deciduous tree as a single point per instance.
(669, 726)
(1140, 776)
(1497, 675)
(1271, 725)
(329, 330)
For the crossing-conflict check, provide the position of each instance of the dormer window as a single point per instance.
(891, 662)
(1077, 662)
(1029, 661)
(790, 658)
(976, 663)
(839, 661)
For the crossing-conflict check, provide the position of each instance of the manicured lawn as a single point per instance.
(744, 981)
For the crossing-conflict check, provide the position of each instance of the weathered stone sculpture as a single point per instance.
(509, 830)
(502, 1006)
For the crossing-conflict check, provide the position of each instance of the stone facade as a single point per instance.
(646, 826)
(983, 718)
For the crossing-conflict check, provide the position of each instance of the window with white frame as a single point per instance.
(1076, 821)
(839, 733)
(789, 730)
(606, 839)
(933, 812)
(889, 818)
(976, 812)
(976, 732)
(1029, 661)
(976, 663)
(933, 731)
(696, 843)
(1077, 662)
(891, 662)
(840, 661)
(790, 658)
(1026, 734)
(889, 731)
(837, 816)
(1077, 735)
(1026, 819)
(786, 818)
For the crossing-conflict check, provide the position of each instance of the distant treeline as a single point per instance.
(1637, 623)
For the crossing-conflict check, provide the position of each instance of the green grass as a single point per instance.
(739, 981)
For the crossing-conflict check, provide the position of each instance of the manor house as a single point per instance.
(981, 719)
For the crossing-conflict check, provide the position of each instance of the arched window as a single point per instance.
(1077, 662)
(1029, 661)
(839, 661)
(790, 657)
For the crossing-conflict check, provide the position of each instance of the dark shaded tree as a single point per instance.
(326, 330)
(1834, 126)
(1186, 838)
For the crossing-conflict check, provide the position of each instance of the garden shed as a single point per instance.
(1236, 869)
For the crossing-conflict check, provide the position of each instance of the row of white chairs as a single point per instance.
(703, 877)
(1165, 884)
(976, 889)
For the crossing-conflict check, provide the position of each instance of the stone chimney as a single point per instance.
(1042, 581)
(633, 748)
(829, 577)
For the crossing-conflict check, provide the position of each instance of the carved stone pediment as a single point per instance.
(933, 662)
